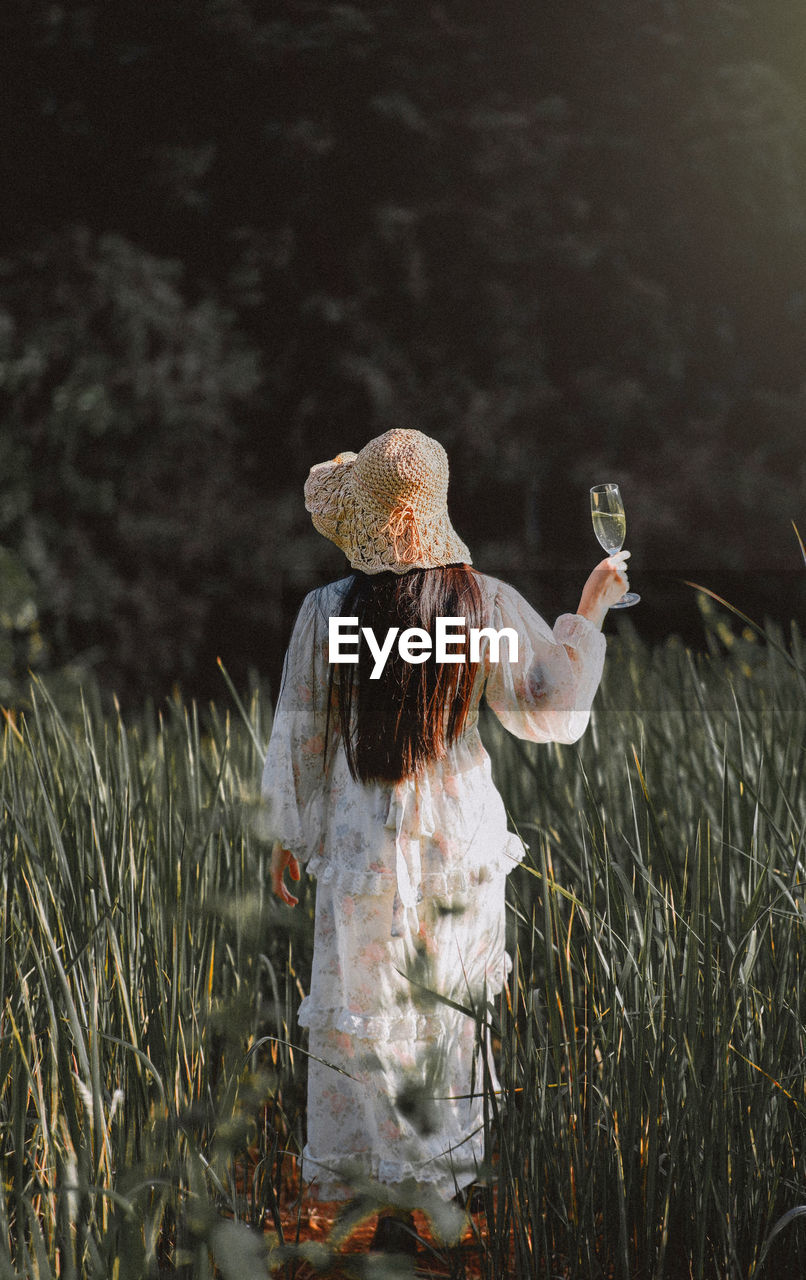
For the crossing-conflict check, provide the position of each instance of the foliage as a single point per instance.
(651, 1046)
(121, 408)
(567, 240)
(20, 640)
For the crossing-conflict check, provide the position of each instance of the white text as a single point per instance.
(415, 644)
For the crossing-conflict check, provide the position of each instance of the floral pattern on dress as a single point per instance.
(410, 897)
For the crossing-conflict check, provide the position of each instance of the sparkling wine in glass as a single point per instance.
(610, 527)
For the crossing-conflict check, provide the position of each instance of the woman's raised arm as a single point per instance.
(545, 694)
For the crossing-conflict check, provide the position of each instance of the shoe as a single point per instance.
(395, 1233)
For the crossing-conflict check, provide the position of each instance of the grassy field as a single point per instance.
(652, 1040)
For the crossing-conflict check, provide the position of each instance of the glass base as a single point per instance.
(632, 597)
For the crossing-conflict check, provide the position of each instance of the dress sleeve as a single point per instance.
(293, 780)
(546, 695)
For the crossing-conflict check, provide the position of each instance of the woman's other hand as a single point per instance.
(604, 587)
(280, 859)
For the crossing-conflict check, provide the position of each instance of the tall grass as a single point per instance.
(655, 1118)
(139, 965)
(652, 1044)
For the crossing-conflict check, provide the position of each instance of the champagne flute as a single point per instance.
(610, 527)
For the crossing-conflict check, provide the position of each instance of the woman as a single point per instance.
(377, 779)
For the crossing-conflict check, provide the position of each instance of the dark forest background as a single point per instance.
(569, 240)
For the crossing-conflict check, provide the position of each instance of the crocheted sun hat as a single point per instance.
(387, 506)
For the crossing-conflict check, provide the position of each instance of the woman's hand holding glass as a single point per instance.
(604, 588)
(280, 859)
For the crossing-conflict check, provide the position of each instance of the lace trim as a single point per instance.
(447, 1173)
(438, 884)
(576, 630)
(381, 1027)
(369, 1026)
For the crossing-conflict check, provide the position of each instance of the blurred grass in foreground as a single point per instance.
(652, 1120)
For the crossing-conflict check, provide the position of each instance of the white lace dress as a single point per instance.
(410, 899)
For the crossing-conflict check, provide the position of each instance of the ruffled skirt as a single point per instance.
(403, 936)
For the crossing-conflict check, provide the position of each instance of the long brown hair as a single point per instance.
(391, 726)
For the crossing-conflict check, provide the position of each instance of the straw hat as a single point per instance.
(387, 506)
